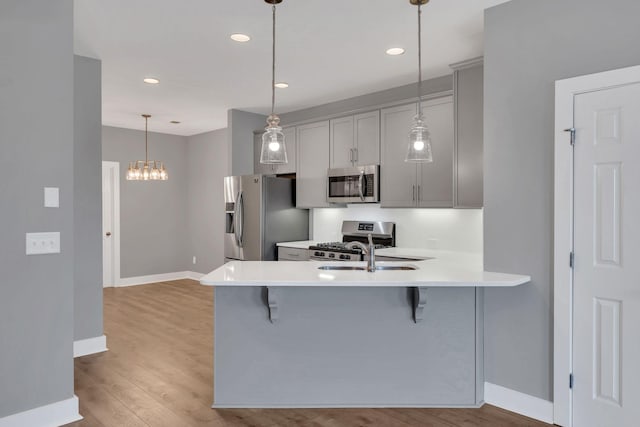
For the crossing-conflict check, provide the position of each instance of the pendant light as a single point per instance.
(146, 170)
(419, 148)
(273, 150)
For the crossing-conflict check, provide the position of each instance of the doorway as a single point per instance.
(110, 224)
(597, 244)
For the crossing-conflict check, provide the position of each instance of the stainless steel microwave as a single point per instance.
(360, 184)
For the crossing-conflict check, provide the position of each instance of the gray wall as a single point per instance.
(371, 100)
(87, 200)
(529, 45)
(207, 166)
(36, 151)
(241, 125)
(153, 219)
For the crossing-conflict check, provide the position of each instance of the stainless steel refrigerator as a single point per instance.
(260, 211)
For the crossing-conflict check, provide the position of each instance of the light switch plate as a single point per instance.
(43, 243)
(51, 197)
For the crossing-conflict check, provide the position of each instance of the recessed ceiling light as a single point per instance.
(395, 51)
(240, 37)
(151, 80)
(282, 85)
(175, 122)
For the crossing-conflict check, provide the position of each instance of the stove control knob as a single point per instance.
(332, 255)
(344, 256)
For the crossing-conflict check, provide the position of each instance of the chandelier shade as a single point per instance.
(146, 170)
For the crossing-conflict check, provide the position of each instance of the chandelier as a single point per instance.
(273, 149)
(146, 170)
(419, 148)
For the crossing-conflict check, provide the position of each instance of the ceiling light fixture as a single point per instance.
(282, 85)
(145, 170)
(241, 38)
(151, 80)
(419, 149)
(273, 149)
(394, 51)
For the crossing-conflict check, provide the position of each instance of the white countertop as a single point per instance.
(303, 244)
(448, 271)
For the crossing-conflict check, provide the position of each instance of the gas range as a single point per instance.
(383, 235)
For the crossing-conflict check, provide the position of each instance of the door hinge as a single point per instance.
(571, 259)
(571, 381)
(572, 139)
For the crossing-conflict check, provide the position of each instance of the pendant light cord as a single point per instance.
(273, 63)
(146, 144)
(419, 106)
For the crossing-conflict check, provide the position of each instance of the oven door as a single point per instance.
(354, 185)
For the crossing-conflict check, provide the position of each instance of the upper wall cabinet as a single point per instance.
(313, 162)
(405, 185)
(290, 144)
(468, 93)
(355, 140)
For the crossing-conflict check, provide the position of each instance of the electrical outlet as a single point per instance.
(43, 243)
(194, 260)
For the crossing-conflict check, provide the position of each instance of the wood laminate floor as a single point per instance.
(158, 372)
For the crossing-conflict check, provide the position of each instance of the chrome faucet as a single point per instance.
(370, 252)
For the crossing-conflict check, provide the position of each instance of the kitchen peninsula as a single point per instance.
(290, 334)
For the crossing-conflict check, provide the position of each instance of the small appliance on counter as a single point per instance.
(260, 211)
(382, 233)
(360, 184)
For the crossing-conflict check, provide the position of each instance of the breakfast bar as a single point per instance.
(330, 334)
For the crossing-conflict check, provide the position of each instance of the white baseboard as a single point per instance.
(89, 346)
(194, 276)
(52, 415)
(520, 403)
(154, 278)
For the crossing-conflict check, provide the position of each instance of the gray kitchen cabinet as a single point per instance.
(423, 184)
(468, 146)
(290, 144)
(355, 140)
(312, 165)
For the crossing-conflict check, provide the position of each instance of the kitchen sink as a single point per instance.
(364, 268)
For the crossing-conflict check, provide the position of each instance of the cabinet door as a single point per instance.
(468, 94)
(290, 144)
(367, 138)
(341, 142)
(435, 179)
(397, 177)
(259, 168)
(313, 162)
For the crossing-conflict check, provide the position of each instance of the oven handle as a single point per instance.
(360, 184)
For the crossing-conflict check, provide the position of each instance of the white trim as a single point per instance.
(116, 219)
(154, 278)
(52, 415)
(89, 346)
(194, 276)
(566, 90)
(331, 405)
(520, 403)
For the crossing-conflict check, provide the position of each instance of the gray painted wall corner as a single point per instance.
(528, 46)
(240, 126)
(87, 167)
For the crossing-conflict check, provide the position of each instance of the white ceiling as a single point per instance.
(326, 50)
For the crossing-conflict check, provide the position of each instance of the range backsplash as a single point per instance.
(442, 229)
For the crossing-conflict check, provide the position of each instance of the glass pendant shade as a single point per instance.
(273, 151)
(419, 148)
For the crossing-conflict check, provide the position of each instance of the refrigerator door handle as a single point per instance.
(236, 220)
(240, 216)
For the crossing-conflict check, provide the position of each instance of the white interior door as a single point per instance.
(606, 334)
(110, 223)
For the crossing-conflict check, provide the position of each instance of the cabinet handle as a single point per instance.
(355, 155)
(351, 155)
(419, 194)
(414, 193)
